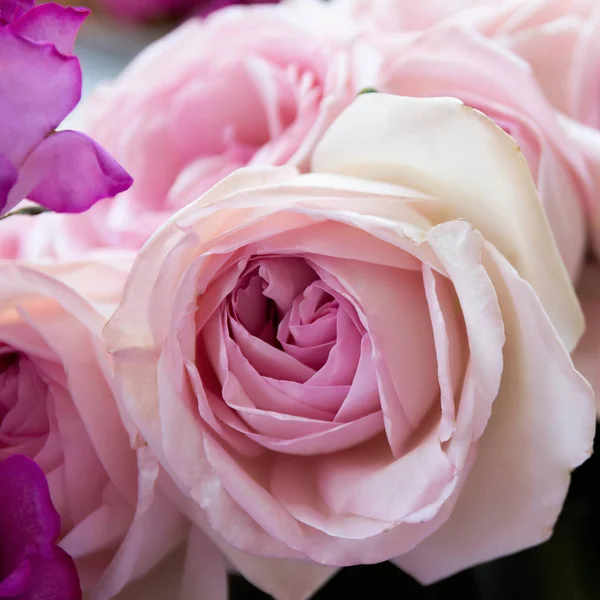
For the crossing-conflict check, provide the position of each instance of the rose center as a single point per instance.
(286, 305)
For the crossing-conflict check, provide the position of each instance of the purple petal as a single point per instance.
(51, 23)
(32, 566)
(53, 576)
(27, 515)
(8, 178)
(69, 172)
(17, 582)
(38, 88)
(13, 9)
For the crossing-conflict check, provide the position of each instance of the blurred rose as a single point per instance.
(57, 406)
(560, 39)
(250, 85)
(366, 362)
(405, 15)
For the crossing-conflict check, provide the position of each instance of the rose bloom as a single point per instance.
(57, 406)
(248, 85)
(367, 362)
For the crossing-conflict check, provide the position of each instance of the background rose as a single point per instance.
(425, 441)
(558, 38)
(57, 406)
(250, 85)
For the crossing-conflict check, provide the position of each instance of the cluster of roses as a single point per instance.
(323, 327)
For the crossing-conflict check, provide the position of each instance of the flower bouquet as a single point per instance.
(312, 285)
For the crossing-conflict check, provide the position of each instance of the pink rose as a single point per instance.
(367, 362)
(249, 85)
(57, 406)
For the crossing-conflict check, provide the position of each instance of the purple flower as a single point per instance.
(40, 84)
(32, 567)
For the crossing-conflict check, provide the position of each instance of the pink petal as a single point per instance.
(282, 579)
(546, 419)
(293, 435)
(587, 354)
(363, 396)
(156, 529)
(448, 332)
(405, 362)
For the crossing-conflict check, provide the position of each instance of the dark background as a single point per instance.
(565, 568)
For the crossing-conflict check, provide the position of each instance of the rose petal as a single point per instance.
(392, 139)
(405, 361)
(282, 579)
(449, 346)
(587, 354)
(302, 438)
(51, 23)
(541, 428)
(69, 172)
(363, 396)
(156, 529)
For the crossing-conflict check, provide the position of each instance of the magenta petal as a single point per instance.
(17, 582)
(38, 88)
(31, 566)
(8, 177)
(26, 512)
(51, 23)
(13, 9)
(53, 575)
(69, 172)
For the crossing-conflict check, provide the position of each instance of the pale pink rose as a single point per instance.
(249, 85)
(370, 361)
(57, 406)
